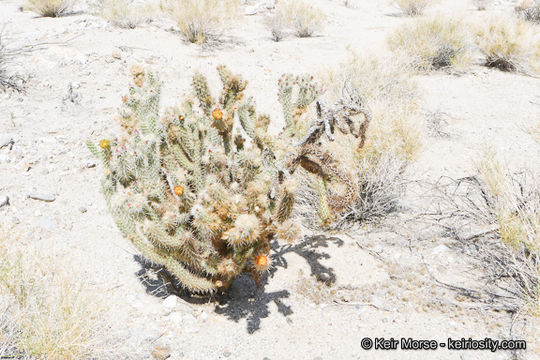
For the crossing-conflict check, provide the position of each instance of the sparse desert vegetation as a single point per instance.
(350, 170)
(50, 8)
(433, 43)
(124, 13)
(8, 79)
(529, 10)
(47, 311)
(200, 20)
(302, 17)
(414, 7)
(509, 44)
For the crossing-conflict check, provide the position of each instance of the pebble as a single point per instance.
(441, 249)
(83, 209)
(161, 353)
(4, 200)
(251, 10)
(203, 316)
(42, 197)
(5, 141)
(89, 164)
(170, 302)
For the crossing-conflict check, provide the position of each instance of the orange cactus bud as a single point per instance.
(178, 190)
(261, 260)
(104, 144)
(262, 263)
(217, 114)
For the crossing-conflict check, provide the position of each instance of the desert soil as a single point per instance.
(379, 283)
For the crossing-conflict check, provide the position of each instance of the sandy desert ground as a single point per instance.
(379, 283)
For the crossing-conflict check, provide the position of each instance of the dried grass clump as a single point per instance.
(201, 20)
(432, 44)
(50, 314)
(301, 16)
(50, 8)
(414, 7)
(276, 25)
(496, 217)
(124, 13)
(509, 44)
(515, 203)
(481, 4)
(393, 139)
(529, 10)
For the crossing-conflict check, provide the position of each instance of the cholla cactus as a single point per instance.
(309, 151)
(189, 190)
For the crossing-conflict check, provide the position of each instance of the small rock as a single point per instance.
(89, 164)
(116, 55)
(5, 141)
(226, 353)
(203, 316)
(170, 302)
(161, 353)
(83, 209)
(440, 250)
(15, 220)
(4, 201)
(42, 197)
(251, 10)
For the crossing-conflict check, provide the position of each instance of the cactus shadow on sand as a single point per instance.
(244, 299)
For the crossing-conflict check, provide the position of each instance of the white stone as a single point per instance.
(170, 302)
(251, 10)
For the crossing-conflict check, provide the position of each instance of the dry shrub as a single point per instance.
(276, 25)
(51, 315)
(529, 10)
(414, 7)
(9, 80)
(201, 20)
(496, 218)
(515, 202)
(393, 139)
(434, 43)
(392, 96)
(50, 8)
(302, 17)
(481, 4)
(124, 13)
(509, 44)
